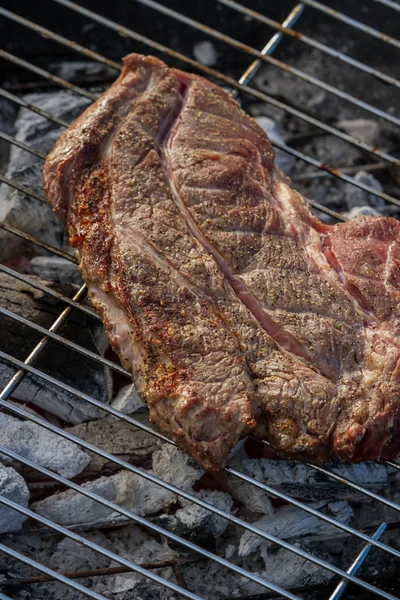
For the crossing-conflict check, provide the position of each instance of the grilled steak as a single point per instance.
(234, 308)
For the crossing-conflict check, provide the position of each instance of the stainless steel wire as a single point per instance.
(32, 107)
(352, 22)
(355, 566)
(46, 75)
(96, 548)
(18, 186)
(27, 367)
(30, 238)
(39, 286)
(389, 3)
(263, 486)
(285, 29)
(15, 142)
(320, 562)
(189, 496)
(269, 59)
(148, 524)
(122, 30)
(32, 563)
(63, 341)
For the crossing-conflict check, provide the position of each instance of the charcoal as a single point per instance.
(253, 498)
(196, 533)
(8, 114)
(287, 570)
(300, 481)
(291, 522)
(361, 211)
(179, 469)
(12, 487)
(118, 438)
(205, 53)
(365, 130)
(138, 546)
(55, 268)
(191, 514)
(356, 197)
(66, 365)
(283, 160)
(128, 401)
(125, 488)
(24, 212)
(41, 446)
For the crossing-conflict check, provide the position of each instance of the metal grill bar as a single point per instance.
(42, 345)
(15, 142)
(320, 562)
(18, 186)
(39, 286)
(310, 41)
(353, 22)
(389, 3)
(338, 592)
(242, 476)
(46, 75)
(149, 525)
(32, 107)
(37, 242)
(81, 540)
(61, 340)
(51, 35)
(355, 486)
(268, 59)
(4, 597)
(269, 489)
(27, 368)
(270, 47)
(237, 474)
(121, 30)
(32, 563)
(320, 165)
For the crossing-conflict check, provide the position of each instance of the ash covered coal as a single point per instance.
(231, 495)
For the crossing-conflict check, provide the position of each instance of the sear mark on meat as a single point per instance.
(235, 309)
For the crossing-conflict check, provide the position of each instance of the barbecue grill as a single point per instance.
(368, 540)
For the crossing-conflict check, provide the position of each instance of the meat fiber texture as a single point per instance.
(235, 309)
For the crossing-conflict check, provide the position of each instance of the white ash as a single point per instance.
(365, 130)
(126, 489)
(116, 437)
(301, 481)
(70, 70)
(12, 487)
(361, 211)
(253, 498)
(205, 53)
(192, 514)
(128, 400)
(63, 364)
(55, 268)
(174, 467)
(49, 397)
(355, 196)
(290, 522)
(22, 211)
(41, 446)
(286, 569)
(283, 160)
(139, 547)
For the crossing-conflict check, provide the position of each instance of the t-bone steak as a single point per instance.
(236, 310)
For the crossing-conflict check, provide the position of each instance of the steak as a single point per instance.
(235, 309)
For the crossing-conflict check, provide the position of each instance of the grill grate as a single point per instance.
(75, 304)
